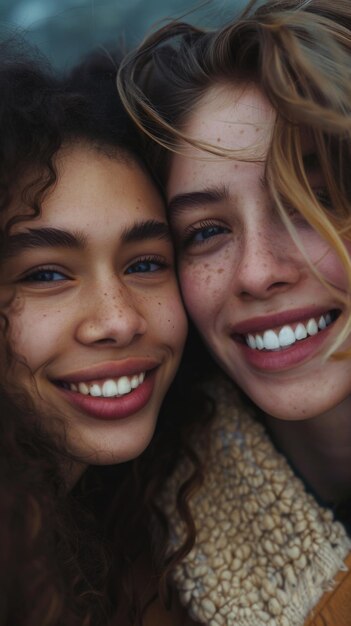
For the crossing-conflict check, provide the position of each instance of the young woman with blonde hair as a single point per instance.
(249, 130)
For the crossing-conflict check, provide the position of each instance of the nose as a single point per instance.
(269, 264)
(109, 316)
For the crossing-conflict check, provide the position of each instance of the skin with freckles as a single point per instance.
(238, 265)
(103, 296)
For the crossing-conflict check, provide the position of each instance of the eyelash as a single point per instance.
(155, 260)
(191, 232)
(30, 276)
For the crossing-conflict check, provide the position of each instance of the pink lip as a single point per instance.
(257, 324)
(113, 408)
(111, 369)
(288, 357)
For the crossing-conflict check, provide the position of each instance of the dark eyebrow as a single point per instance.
(42, 238)
(146, 229)
(183, 201)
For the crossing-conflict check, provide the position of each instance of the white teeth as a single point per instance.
(270, 340)
(110, 388)
(300, 332)
(312, 327)
(251, 341)
(286, 336)
(123, 385)
(322, 324)
(83, 388)
(134, 383)
(259, 342)
(95, 390)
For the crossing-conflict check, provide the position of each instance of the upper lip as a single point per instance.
(111, 369)
(258, 324)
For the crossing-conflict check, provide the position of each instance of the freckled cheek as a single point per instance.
(166, 317)
(176, 321)
(204, 287)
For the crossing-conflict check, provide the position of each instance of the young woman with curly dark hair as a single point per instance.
(92, 334)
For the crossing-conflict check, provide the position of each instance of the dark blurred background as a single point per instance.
(66, 29)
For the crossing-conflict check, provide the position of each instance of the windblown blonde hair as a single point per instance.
(298, 52)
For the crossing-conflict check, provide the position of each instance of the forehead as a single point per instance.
(93, 187)
(234, 116)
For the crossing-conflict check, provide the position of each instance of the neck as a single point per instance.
(319, 448)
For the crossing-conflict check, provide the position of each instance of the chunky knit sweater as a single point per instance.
(265, 550)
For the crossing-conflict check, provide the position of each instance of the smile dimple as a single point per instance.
(106, 388)
(278, 339)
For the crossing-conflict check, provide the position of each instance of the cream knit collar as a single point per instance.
(265, 550)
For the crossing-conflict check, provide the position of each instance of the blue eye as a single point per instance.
(144, 266)
(44, 276)
(203, 232)
(208, 232)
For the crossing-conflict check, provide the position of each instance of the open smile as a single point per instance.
(270, 346)
(108, 388)
(103, 393)
(285, 336)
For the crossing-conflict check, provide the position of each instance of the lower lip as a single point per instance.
(287, 357)
(117, 408)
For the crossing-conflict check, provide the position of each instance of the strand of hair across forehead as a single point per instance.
(283, 41)
(140, 107)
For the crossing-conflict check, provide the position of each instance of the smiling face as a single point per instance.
(261, 310)
(96, 313)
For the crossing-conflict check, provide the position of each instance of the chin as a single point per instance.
(294, 409)
(120, 449)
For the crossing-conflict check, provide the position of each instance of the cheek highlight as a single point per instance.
(201, 291)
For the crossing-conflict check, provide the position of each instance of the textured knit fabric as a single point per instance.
(334, 608)
(265, 550)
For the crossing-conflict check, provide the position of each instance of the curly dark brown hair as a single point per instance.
(68, 559)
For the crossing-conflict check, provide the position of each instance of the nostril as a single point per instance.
(276, 285)
(106, 340)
